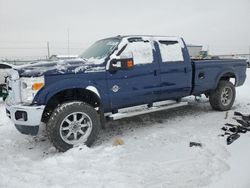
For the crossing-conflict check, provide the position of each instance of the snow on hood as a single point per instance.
(60, 67)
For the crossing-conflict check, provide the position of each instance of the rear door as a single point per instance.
(175, 69)
(139, 85)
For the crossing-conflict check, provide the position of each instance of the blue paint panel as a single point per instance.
(213, 70)
(137, 86)
(176, 77)
(58, 83)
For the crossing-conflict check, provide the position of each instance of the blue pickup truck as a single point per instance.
(114, 78)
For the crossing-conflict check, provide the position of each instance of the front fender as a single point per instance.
(50, 90)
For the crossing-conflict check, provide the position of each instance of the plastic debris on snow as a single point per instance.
(234, 130)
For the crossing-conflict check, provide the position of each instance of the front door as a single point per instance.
(139, 85)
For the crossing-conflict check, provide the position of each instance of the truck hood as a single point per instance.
(59, 67)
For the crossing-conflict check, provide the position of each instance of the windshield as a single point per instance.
(101, 49)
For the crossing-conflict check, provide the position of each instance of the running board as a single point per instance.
(143, 109)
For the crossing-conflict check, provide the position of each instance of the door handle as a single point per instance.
(201, 75)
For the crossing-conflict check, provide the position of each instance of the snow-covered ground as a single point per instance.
(155, 153)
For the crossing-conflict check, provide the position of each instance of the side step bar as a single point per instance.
(144, 109)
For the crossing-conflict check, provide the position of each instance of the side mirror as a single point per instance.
(121, 64)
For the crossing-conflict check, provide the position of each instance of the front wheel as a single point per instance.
(222, 98)
(72, 124)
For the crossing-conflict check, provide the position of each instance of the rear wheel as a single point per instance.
(72, 124)
(222, 98)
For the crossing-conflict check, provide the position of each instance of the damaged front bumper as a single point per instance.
(26, 118)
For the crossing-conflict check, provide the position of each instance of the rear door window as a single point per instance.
(171, 51)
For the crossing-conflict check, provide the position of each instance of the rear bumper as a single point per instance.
(26, 118)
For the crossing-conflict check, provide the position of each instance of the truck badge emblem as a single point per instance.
(115, 88)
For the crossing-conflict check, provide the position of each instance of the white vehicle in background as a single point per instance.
(4, 69)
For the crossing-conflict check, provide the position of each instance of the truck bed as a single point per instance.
(207, 73)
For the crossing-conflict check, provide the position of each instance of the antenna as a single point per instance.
(249, 54)
(48, 49)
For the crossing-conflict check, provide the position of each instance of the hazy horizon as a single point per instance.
(26, 26)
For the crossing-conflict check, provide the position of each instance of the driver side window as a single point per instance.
(141, 51)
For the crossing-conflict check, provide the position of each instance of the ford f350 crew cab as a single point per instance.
(109, 81)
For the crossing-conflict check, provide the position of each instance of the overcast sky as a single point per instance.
(26, 25)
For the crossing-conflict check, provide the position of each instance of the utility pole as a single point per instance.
(249, 55)
(48, 49)
(68, 44)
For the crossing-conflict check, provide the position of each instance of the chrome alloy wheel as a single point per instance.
(76, 128)
(226, 96)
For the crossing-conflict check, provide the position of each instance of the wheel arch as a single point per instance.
(227, 75)
(89, 95)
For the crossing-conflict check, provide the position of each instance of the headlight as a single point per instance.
(30, 87)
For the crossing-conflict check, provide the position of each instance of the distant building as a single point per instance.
(16, 61)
